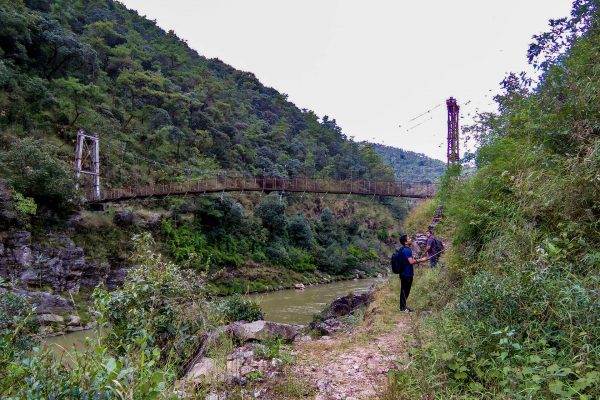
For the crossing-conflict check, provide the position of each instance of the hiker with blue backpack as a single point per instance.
(402, 264)
(433, 248)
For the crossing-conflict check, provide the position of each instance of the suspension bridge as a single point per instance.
(267, 184)
(87, 162)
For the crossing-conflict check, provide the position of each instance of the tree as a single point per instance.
(16, 30)
(76, 96)
(64, 49)
(271, 211)
(299, 232)
(33, 169)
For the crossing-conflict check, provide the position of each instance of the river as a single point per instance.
(288, 306)
(293, 306)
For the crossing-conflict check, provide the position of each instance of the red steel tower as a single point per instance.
(453, 155)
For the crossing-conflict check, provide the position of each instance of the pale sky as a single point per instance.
(371, 65)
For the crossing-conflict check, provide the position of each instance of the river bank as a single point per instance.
(289, 306)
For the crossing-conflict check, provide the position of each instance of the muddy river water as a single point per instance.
(289, 306)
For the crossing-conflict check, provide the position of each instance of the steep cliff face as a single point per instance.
(45, 270)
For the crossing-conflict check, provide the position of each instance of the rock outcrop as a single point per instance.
(124, 218)
(57, 264)
(262, 330)
(44, 303)
(328, 321)
(241, 332)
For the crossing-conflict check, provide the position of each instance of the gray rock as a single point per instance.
(74, 320)
(71, 329)
(74, 221)
(323, 385)
(345, 305)
(150, 221)
(124, 218)
(202, 369)
(45, 303)
(60, 264)
(303, 338)
(216, 396)
(49, 318)
(19, 239)
(261, 330)
(275, 362)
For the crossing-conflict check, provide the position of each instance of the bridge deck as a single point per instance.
(419, 190)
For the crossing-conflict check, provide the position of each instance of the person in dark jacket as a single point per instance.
(430, 249)
(406, 270)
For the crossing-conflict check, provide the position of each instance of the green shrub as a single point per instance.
(271, 211)
(299, 232)
(159, 306)
(277, 253)
(24, 205)
(300, 260)
(237, 308)
(185, 245)
(33, 168)
(17, 328)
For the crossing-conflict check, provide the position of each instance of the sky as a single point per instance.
(372, 65)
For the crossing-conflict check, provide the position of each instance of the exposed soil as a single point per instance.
(359, 372)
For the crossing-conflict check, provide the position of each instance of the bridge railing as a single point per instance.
(223, 183)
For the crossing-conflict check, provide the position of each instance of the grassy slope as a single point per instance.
(516, 310)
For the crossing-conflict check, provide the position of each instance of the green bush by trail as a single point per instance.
(524, 264)
(146, 331)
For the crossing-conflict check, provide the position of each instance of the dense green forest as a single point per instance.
(518, 307)
(165, 113)
(411, 166)
(161, 110)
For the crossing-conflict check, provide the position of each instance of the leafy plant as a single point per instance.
(33, 169)
(237, 308)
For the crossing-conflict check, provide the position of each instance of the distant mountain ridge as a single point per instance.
(411, 166)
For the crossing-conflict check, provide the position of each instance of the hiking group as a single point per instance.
(403, 261)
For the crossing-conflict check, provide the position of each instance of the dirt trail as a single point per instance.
(354, 366)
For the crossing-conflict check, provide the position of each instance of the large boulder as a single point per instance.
(124, 218)
(50, 318)
(203, 368)
(262, 330)
(346, 304)
(45, 303)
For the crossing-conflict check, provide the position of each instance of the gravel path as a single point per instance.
(343, 368)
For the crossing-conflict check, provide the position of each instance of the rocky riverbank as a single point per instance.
(261, 352)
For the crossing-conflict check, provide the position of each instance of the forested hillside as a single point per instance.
(411, 166)
(164, 113)
(161, 110)
(523, 280)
